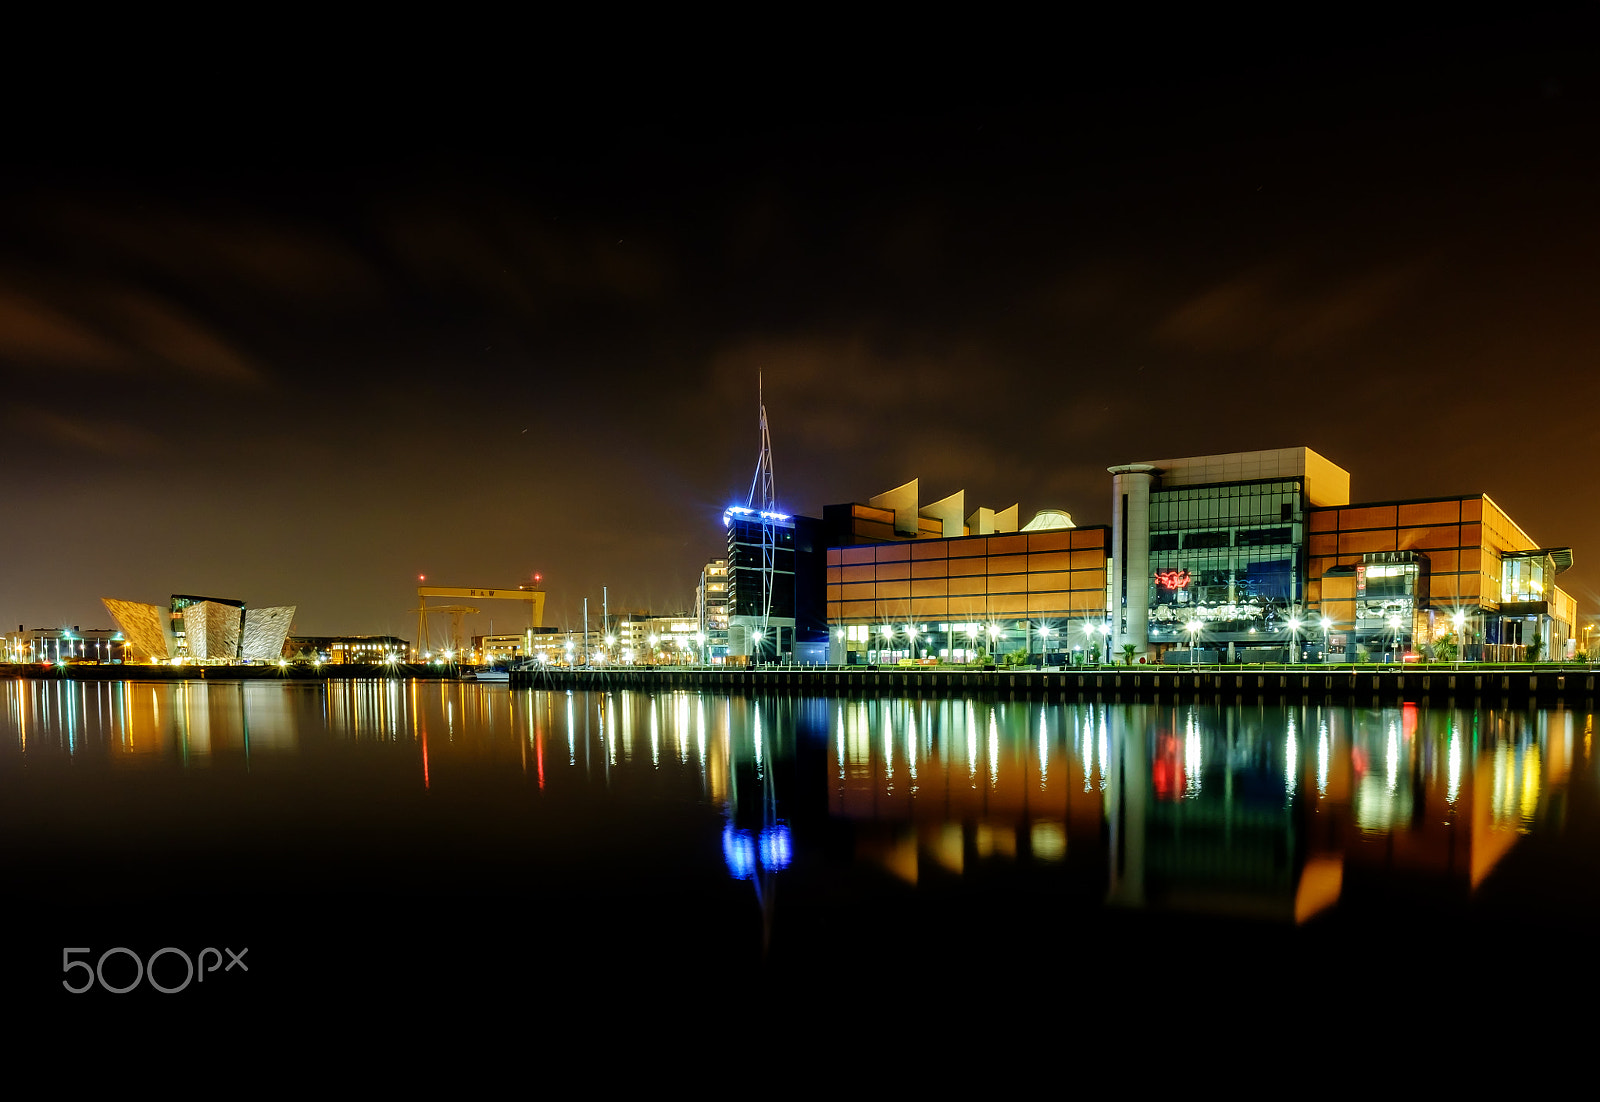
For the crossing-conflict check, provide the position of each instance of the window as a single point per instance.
(1263, 537)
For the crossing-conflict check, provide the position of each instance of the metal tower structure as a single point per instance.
(767, 506)
(455, 612)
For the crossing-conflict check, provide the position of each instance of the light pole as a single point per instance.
(1460, 621)
(1044, 644)
(994, 636)
(1327, 652)
(911, 637)
(1294, 635)
(1193, 628)
(1394, 630)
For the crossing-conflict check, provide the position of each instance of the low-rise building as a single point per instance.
(933, 583)
(56, 645)
(347, 649)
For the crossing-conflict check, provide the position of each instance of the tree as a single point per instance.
(1444, 648)
(1535, 644)
(1128, 651)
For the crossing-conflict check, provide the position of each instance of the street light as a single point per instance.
(911, 634)
(1326, 649)
(1044, 642)
(1193, 628)
(1294, 635)
(1460, 621)
(1394, 628)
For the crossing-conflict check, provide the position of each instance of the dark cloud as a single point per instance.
(474, 348)
(1263, 312)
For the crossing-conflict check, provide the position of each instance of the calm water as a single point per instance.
(382, 840)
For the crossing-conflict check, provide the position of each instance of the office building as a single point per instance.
(775, 590)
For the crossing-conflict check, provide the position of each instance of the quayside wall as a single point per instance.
(1548, 686)
(1569, 687)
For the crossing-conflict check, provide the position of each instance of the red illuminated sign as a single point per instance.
(1172, 579)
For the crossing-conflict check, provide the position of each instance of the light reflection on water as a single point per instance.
(1271, 811)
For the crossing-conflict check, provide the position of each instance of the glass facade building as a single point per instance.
(1471, 577)
(1262, 557)
(1247, 557)
(761, 594)
(1226, 561)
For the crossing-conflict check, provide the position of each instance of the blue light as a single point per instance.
(727, 515)
(776, 849)
(739, 852)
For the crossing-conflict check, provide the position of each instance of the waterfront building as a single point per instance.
(202, 629)
(934, 583)
(647, 640)
(775, 598)
(55, 645)
(562, 647)
(1262, 557)
(346, 649)
(490, 650)
(711, 610)
(1401, 576)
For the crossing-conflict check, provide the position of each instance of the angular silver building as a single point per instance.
(211, 629)
(265, 630)
(144, 626)
(202, 629)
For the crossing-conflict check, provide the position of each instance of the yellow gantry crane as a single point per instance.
(533, 597)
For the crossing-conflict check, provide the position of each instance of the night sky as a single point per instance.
(298, 343)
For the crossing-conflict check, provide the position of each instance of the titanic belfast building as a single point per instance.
(202, 629)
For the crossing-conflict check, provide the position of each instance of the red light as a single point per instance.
(422, 577)
(1172, 579)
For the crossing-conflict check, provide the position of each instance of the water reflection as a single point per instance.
(1279, 812)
